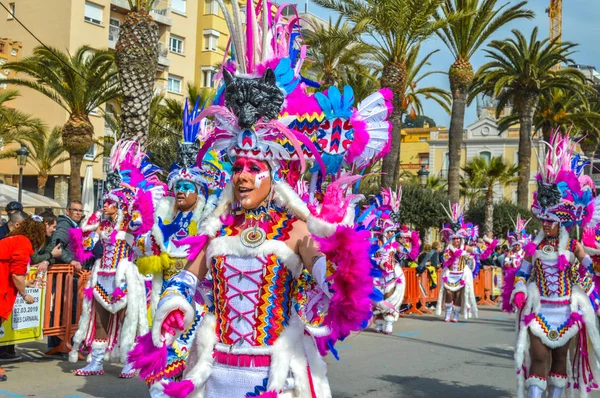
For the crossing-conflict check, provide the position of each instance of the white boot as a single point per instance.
(449, 308)
(556, 384)
(95, 365)
(555, 392)
(379, 325)
(127, 372)
(535, 386)
(456, 314)
(389, 327)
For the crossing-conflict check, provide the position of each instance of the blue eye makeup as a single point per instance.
(185, 186)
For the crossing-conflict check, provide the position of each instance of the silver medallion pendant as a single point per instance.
(253, 237)
(548, 249)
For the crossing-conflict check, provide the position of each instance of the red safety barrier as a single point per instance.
(417, 293)
(59, 302)
(487, 275)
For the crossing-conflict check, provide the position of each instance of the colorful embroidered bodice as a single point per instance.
(116, 248)
(177, 229)
(551, 281)
(386, 259)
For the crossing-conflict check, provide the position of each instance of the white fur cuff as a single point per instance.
(167, 305)
(320, 228)
(522, 288)
(537, 381)
(557, 380)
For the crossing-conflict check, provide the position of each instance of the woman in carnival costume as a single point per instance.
(552, 287)
(518, 238)
(383, 219)
(177, 217)
(252, 342)
(457, 293)
(114, 307)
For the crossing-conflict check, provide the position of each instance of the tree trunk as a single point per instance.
(77, 137)
(41, 183)
(461, 78)
(526, 107)
(489, 210)
(136, 53)
(390, 164)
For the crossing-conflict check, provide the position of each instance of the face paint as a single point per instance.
(186, 195)
(185, 187)
(251, 181)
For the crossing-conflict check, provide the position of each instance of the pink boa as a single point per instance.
(145, 206)
(76, 245)
(489, 250)
(361, 137)
(563, 263)
(196, 244)
(508, 287)
(88, 293)
(415, 246)
(455, 256)
(530, 249)
(179, 389)
(118, 294)
(146, 357)
(350, 306)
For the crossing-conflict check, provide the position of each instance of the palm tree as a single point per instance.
(46, 152)
(471, 189)
(195, 92)
(519, 73)
(393, 28)
(136, 53)
(363, 84)
(14, 123)
(335, 51)
(463, 38)
(79, 83)
(490, 173)
(434, 183)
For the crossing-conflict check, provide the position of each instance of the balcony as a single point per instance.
(160, 89)
(113, 36)
(163, 52)
(161, 11)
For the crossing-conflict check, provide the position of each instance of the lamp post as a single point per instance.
(423, 174)
(22, 154)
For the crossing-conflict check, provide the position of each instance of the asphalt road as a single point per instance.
(425, 357)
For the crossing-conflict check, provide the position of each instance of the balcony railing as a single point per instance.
(113, 36)
(163, 52)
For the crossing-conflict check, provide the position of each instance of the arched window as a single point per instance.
(487, 155)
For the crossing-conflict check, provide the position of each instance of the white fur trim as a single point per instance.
(157, 282)
(556, 381)
(286, 196)
(592, 251)
(86, 227)
(318, 368)
(534, 381)
(319, 227)
(286, 347)
(167, 305)
(200, 360)
(84, 325)
(232, 246)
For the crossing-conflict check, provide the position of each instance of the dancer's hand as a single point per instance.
(519, 300)
(173, 321)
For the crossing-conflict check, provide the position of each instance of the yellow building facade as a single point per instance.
(414, 148)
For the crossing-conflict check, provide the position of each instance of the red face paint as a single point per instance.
(251, 182)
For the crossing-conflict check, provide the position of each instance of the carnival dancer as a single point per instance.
(261, 236)
(457, 293)
(177, 217)
(114, 306)
(518, 238)
(553, 303)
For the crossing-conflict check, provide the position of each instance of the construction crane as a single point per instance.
(555, 14)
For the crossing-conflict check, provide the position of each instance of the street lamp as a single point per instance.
(22, 154)
(423, 175)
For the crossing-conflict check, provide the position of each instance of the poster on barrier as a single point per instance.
(497, 281)
(25, 323)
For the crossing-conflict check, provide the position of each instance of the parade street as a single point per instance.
(425, 357)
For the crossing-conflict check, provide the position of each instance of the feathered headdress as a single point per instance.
(518, 236)
(264, 111)
(211, 174)
(457, 228)
(564, 194)
(382, 214)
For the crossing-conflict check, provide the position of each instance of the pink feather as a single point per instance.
(361, 137)
(563, 263)
(352, 283)
(196, 244)
(267, 394)
(589, 238)
(179, 389)
(146, 357)
(530, 249)
(76, 239)
(88, 293)
(455, 256)
(508, 286)
(145, 205)
(489, 250)
(415, 246)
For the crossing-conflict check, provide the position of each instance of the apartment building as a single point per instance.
(70, 24)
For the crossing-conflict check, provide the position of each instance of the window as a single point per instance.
(93, 13)
(208, 75)
(211, 40)
(178, 6)
(176, 44)
(14, 52)
(446, 165)
(424, 160)
(113, 29)
(174, 84)
(11, 12)
(89, 155)
(487, 155)
(211, 7)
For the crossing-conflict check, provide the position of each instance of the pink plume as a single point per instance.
(118, 294)
(88, 293)
(361, 137)
(145, 205)
(508, 286)
(589, 237)
(528, 318)
(146, 357)
(452, 259)
(563, 263)
(530, 249)
(334, 206)
(76, 239)
(489, 250)
(196, 244)
(415, 246)
(179, 389)
(350, 306)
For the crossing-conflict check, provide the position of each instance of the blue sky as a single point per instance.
(580, 25)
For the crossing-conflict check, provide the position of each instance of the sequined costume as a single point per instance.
(518, 239)
(252, 341)
(115, 283)
(159, 252)
(554, 283)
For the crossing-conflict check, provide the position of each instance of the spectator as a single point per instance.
(502, 256)
(74, 214)
(47, 255)
(430, 262)
(15, 217)
(15, 253)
